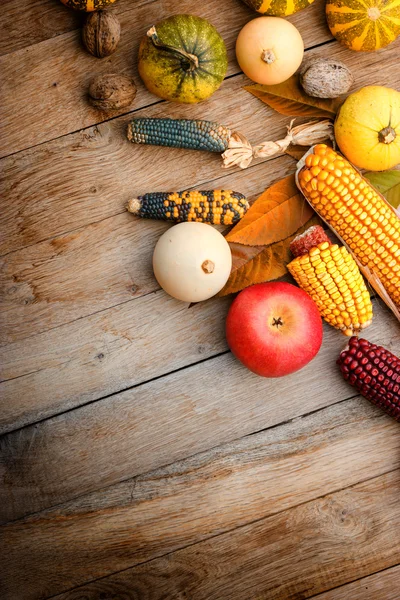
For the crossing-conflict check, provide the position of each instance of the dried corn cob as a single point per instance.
(374, 372)
(358, 214)
(180, 133)
(220, 207)
(330, 275)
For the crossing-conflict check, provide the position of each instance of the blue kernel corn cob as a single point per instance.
(180, 133)
(219, 207)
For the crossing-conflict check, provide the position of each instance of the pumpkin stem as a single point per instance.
(387, 135)
(268, 56)
(191, 60)
(208, 266)
(373, 13)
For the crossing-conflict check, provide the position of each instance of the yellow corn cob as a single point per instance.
(330, 275)
(356, 212)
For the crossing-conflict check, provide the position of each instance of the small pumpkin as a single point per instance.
(278, 8)
(87, 5)
(183, 59)
(269, 50)
(367, 128)
(364, 24)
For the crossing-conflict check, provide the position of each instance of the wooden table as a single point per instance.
(138, 458)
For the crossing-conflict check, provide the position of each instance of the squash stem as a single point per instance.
(387, 135)
(268, 56)
(191, 59)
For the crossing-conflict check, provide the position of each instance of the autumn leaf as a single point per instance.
(264, 263)
(289, 98)
(274, 216)
(388, 184)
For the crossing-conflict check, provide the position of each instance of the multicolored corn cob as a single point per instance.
(357, 213)
(219, 207)
(180, 133)
(374, 372)
(330, 275)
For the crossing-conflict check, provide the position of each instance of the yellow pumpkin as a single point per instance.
(367, 128)
(278, 8)
(364, 24)
(87, 5)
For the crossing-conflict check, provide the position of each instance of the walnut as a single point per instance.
(325, 77)
(101, 33)
(111, 92)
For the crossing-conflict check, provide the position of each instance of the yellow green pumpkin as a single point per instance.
(365, 25)
(278, 8)
(87, 5)
(183, 59)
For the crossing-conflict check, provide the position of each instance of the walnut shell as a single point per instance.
(325, 77)
(111, 92)
(101, 33)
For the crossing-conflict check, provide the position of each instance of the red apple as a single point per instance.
(274, 328)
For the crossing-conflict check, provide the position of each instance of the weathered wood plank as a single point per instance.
(291, 555)
(106, 353)
(163, 421)
(85, 177)
(55, 74)
(98, 266)
(380, 586)
(213, 492)
(27, 22)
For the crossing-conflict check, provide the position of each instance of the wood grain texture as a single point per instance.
(380, 586)
(163, 421)
(55, 74)
(27, 22)
(103, 264)
(106, 353)
(203, 496)
(294, 554)
(85, 177)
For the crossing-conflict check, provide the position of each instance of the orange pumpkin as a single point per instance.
(278, 8)
(87, 5)
(364, 24)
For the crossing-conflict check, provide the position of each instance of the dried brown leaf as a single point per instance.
(289, 98)
(275, 215)
(258, 264)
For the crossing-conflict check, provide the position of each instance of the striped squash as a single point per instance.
(364, 24)
(87, 5)
(278, 8)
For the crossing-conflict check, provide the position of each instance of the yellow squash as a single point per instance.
(364, 24)
(367, 128)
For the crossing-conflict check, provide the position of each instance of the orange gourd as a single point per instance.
(364, 24)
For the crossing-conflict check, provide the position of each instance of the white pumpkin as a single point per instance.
(192, 261)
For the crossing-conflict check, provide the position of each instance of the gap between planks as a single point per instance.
(356, 589)
(220, 490)
(136, 431)
(306, 549)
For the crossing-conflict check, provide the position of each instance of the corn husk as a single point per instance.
(241, 153)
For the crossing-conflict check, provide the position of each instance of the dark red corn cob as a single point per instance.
(374, 372)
